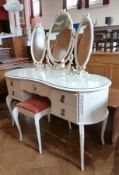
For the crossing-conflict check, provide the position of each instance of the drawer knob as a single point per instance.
(62, 98)
(63, 112)
(13, 93)
(11, 83)
(35, 89)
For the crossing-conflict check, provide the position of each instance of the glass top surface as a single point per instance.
(61, 80)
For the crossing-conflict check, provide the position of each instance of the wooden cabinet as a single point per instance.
(98, 68)
(17, 45)
(105, 64)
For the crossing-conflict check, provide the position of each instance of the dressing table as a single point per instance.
(75, 95)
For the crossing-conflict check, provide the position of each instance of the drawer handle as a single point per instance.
(63, 112)
(13, 93)
(11, 83)
(35, 89)
(62, 98)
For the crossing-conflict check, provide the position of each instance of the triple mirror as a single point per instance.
(62, 45)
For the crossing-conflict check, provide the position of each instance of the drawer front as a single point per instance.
(36, 88)
(64, 97)
(66, 112)
(13, 88)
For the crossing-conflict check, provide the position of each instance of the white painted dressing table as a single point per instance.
(81, 100)
(75, 95)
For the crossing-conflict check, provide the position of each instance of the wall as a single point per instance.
(51, 7)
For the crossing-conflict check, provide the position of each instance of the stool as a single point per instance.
(35, 107)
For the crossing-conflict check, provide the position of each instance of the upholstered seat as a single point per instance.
(35, 107)
(35, 104)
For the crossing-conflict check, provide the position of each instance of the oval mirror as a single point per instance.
(38, 45)
(83, 42)
(60, 38)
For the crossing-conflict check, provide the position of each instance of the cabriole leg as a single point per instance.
(15, 115)
(104, 124)
(8, 101)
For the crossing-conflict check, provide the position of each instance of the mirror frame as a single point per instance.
(78, 66)
(38, 25)
(67, 57)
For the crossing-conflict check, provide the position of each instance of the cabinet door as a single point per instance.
(114, 74)
(98, 68)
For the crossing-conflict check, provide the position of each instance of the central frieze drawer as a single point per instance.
(65, 111)
(34, 87)
(64, 97)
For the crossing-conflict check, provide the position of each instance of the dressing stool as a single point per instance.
(35, 107)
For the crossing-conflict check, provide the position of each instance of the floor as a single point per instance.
(61, 151)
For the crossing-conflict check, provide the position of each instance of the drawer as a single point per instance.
(64, 97)
(13, 88)
(66, 112)
(34, 87)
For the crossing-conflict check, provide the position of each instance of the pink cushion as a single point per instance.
(35, 104)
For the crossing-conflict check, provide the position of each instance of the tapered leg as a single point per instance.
(8, 101)
(81, 132)
(104, 124)
(38, 132)
(15, 115)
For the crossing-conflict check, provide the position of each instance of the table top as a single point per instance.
(61, 80)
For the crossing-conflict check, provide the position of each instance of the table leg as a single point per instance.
(81, 132)
(104, 124)
(8, 101)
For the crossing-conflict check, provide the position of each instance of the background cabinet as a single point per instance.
(105, 64)
(17, 45)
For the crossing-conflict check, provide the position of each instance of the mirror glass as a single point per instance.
(38, 44)
(60, 37)
(83, 42)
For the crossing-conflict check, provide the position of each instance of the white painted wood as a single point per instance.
(14, 88)
(81, 132)
(8, 101)
(86, 96)
(36, 117)
(64, 97)
(104, 124)
(16, 115)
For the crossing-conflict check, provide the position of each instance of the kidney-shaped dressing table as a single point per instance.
(75, 95)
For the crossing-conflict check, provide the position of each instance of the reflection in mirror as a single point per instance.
(38, 45)
(83, 43)
(60, 38)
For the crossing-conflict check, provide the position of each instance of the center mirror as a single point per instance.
(60, 38)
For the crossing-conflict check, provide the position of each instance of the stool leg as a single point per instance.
(49, 118)
(15, 116)
(37, 118)
(69, 123)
